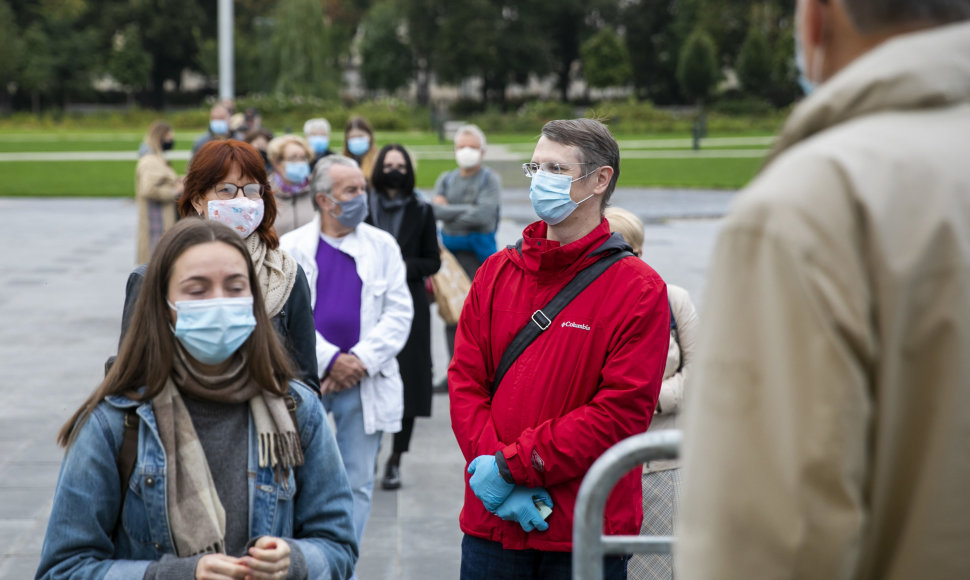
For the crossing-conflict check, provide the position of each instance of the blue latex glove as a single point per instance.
(520, 506)
(487, 483)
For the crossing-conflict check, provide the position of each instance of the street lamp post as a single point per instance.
(226, 79)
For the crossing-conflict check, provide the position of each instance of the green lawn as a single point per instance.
(115, 178)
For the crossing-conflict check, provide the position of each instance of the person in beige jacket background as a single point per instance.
(157, 189)
(661, 479)
(828, 414)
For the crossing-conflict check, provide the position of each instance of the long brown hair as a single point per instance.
(156, 134)
(146, 354)
(211, 164)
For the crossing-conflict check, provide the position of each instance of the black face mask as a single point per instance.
(395, 179)
(168, 145)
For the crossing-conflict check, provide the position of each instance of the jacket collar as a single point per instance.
(543, 257)
(920, 70)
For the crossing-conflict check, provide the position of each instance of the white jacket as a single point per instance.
(385, 315)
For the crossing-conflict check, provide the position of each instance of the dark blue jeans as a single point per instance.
(486, 560)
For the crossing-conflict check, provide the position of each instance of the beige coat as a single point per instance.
(155, 194)
(827, 432)
(680, 350)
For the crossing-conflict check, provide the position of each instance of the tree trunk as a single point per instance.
(158, 87)
(564, 82)
(424, 84)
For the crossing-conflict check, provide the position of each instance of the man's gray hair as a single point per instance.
(471, 130)
(876, 15)
(595, 143)
(316, 126)
(321, 181)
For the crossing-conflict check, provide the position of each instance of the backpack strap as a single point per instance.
(542, 319)
(128, 454)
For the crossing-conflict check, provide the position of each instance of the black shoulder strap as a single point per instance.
(542, 319)
(128, 454)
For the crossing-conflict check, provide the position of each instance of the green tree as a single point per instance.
(697, 68)
(39, 70)
(129, 63)
(300, 43)
(606, 62)
(784, 88)
(493, 41)
(386, 61)
(423, 28)
(754, 65)
(11, 50)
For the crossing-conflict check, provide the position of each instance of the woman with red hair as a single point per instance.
(227, 182)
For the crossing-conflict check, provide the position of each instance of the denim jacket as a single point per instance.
(313, 511)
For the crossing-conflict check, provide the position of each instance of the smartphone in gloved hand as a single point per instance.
(544, 510)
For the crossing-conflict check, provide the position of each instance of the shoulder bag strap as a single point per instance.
(542, 319)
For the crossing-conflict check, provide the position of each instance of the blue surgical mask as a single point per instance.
(358, 145)
(296, 171)
(219, 127)
(351, 212)
(549, 194)
(807, 85)
(319, 143)
(212, 330)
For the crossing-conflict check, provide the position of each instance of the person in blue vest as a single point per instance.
(466, 201)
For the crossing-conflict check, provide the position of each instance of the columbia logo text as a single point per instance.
(574, 325)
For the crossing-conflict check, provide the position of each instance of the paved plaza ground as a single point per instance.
(62, 282)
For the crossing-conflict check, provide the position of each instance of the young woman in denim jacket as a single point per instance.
(204, 371)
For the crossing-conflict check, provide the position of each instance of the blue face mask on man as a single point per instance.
(807, 85)
(212, 330)
(319, 143)
(352, 212)
(296, 171)
(550, 198)
(219, 127)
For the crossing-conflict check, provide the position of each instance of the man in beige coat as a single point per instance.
(827, 429)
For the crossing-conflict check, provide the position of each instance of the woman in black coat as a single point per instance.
(397, 210)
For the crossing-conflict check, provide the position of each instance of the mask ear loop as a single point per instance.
(584, 177)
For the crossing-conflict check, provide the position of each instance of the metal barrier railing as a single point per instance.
(589, 543)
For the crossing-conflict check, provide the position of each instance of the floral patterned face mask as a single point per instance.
(239, 213)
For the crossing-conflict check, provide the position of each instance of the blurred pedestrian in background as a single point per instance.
(826, 426)
(317, 133)
(466, 200)
(359, 145)
(396, 209)
(157, 189)
(227, 183)
(362, 311)
(198, 456)
(290, 157)
(218, 127)
(260, 138)
(661, 478)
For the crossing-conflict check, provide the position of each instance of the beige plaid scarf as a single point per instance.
(196, 515)
(276, 272)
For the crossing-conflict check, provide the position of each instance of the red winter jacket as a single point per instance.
(589, 381)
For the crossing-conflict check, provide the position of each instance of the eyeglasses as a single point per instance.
(530, 169)
(229, 190)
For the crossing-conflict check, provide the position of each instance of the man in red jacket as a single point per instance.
(588, 381)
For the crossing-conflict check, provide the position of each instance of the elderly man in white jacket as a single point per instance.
(362, 312)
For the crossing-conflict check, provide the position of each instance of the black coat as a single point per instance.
(418, 240)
